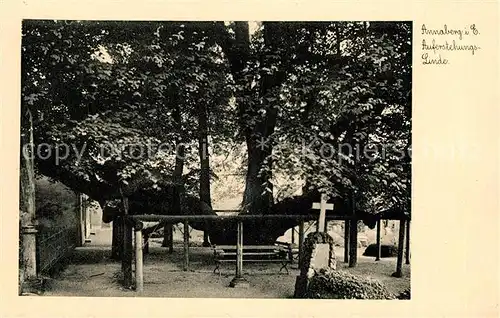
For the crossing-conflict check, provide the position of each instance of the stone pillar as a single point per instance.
(318, 253)
(28, 273)
(27, 209)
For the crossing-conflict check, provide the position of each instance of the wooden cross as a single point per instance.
(322, 207)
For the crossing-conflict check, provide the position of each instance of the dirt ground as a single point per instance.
(91, 273)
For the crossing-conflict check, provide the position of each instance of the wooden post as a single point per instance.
(80, 212)
(86, 218)
(127, 254)
(401, 245)
(408, 242)
(301, 240)
(353, 244)
(127, 246)
(145, 245)
(186, 245)
(170, 233)
(117, 239)
(353, 237)
(347, 232)
(238, 280)
(139, 270)
(293, 235)
(379, 247)
(165, 243)
(239, 250)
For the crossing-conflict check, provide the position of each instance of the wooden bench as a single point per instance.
(277, 253)
(293, 248)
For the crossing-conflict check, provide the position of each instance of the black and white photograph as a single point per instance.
(216, 159)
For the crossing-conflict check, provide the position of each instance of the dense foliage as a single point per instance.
(302, 97)
(385, 250)
(333, 284)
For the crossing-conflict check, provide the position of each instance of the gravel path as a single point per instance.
(90, 272)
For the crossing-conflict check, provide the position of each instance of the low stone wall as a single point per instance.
(57, 223)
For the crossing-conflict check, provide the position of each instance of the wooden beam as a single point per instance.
(186, 245)
(181, 218)
(379, 247)
(401, 245)
(139, 269)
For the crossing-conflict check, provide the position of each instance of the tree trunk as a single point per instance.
(117, 239)
(256, 197)
(347, 232)
(27, 259)
(177, 176)
(401, 245)
(204, 165)
(179, 167)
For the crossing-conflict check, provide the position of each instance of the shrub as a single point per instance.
(385, 251)
(333, 284)
(405, 294)
(55, 203)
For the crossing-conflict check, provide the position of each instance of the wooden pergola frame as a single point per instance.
(134, 222)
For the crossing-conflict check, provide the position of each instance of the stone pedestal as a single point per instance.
(29, 281)
(318, 252)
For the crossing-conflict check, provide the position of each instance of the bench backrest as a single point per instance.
(247, 247)
(284, 249)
